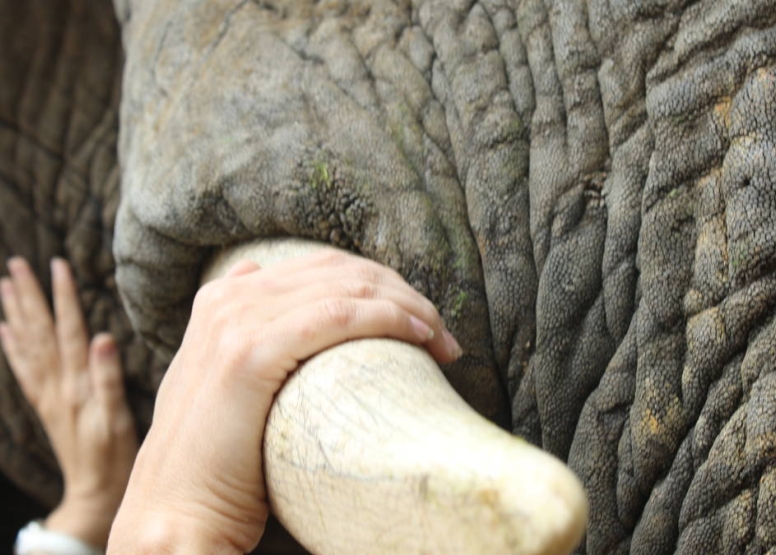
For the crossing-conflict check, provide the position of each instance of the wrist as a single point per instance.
(160, 533)
(176, 501)
(35, 539)
(82, 521)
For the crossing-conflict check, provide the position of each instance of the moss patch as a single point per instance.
(457, 304)
(320, 176)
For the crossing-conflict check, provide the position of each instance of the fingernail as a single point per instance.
(57, 267)
(106, 348)
(423, 331)
(107, 352)
(452, 346)
(16, 265)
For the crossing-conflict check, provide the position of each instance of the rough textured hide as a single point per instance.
(585, 188)
(240, 121)
(60, 79)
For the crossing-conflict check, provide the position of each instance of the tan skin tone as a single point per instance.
(197, 485)
(75, 387)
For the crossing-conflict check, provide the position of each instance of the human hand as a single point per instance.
(198, 484)
(77, 391)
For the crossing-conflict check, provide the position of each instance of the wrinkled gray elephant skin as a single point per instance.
(586, 189)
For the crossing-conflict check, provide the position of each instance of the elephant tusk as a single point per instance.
(369, 450)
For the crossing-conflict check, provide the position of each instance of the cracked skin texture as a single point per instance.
(587, 190)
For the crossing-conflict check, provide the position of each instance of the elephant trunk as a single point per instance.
(368, 449)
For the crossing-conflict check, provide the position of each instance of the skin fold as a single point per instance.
(585, 190)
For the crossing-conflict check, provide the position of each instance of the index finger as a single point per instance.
(72, 338)
(11, 308)
(33, 307)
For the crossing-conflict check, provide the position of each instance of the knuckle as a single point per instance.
(234, 351)
(235, 363)
(212, 303)
(338, 312)
(205, 296)
(71, 394)
(362, 290)
(307, 331)
(268, 284)
(332, 257)
(367, 272)
(219, 318)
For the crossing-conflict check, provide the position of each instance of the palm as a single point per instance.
(77, 392)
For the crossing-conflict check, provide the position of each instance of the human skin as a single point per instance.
(583, 187)
(368, 449)
(76, 388)
(198, 484)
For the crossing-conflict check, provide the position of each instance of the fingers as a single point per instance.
(9, 336)
(7, 339)
(24, 340)
(70, 328)
(310, 329)
(24, 373)
(33, 308)
(435, 337)
(322, 267)
(336, 277)
(11, 306)
(105, 373)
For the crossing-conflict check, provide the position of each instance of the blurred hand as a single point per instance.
(77, 391)
(198, 484)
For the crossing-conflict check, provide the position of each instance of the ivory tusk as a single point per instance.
(369, 450)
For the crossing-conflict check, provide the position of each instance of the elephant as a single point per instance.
(584, 189)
